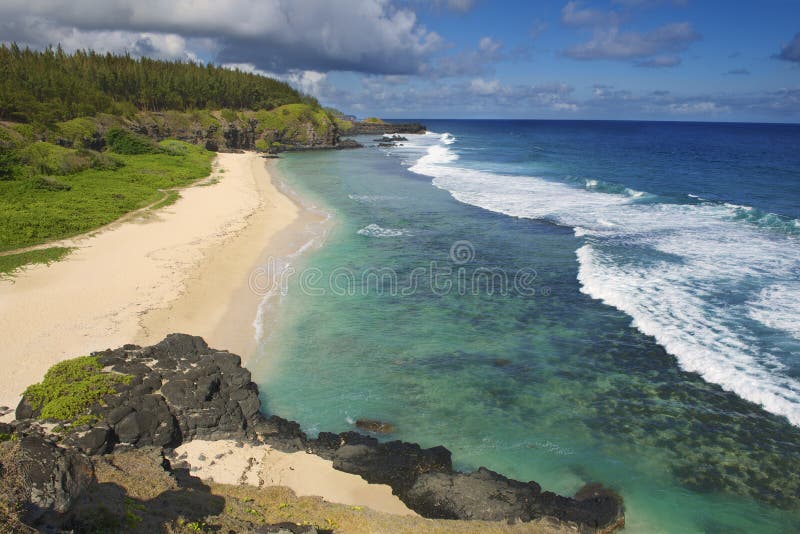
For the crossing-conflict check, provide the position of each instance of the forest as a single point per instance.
(51, 85)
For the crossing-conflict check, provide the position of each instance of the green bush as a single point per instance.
(174, 147)
(47, 158)
(71, 387)
(9, 164)
(48, 183)
(125, 142)
(229, 115)
(79, 132)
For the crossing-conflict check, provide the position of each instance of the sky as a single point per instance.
(704, 60)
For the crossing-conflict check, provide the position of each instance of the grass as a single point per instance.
(71, 387)
(34, 212)
(170, 198)
(10, 263)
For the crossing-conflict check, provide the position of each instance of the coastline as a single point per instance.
(155, 273)
(219, 300)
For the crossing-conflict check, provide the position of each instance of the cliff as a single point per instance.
(289, 127)
(155, 398)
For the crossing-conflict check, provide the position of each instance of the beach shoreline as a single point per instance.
(184, 267)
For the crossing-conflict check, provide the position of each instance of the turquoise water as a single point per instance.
(545, 377)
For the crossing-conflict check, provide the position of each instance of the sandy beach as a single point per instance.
(183, 268)
(225, 462)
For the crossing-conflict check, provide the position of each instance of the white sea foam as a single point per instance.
(373, 230)
(692, 276)
(778, 307)
(371, 199)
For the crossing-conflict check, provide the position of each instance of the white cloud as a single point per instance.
(697, 108)
(612, 43)
(307, 81)
(572, 14)
(275, 35)
(479, 86)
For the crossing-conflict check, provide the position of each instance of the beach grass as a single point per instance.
(40, 208)
(11, 262)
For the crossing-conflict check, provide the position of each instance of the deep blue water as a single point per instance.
(565, 302)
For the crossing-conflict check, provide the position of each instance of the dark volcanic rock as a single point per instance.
(395, 463)
(181, 389)
(489, 496)
(370, 128)
(54, 476)
(348, 143)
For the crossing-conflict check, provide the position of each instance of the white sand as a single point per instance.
(306, 474)
(179, 269)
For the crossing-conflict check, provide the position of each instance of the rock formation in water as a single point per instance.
(181, 389)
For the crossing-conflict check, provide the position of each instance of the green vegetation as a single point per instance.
(298, 124)
(373, 120)
(51, 85)
(77, 136)
(11, 262)
(125, 142)
(71, 387)
(92, 189)
(170, 198)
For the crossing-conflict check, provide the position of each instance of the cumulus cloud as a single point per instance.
(612, 43)
(467, 63)
(455, 5)
(479, 86)
(573, 14)
(697, 108)
(369, 36)
(660, 62)
(791, 50)
(307, 81)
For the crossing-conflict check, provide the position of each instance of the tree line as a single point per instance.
(51, 85)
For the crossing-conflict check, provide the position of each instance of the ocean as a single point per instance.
(560, 301)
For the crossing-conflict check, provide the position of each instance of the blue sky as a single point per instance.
(604, 59)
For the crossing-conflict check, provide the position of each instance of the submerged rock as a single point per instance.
(377, 427)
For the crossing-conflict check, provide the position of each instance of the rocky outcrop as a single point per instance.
(54, 477)
(373, 128)
(181, 389)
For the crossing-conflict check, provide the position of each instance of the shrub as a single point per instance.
(79, 132)
(125, 142)
(71, 387)
(174, 147)
(229, 115)
(48, 183)
(8, 164)
(373, 120)
(47, 158)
